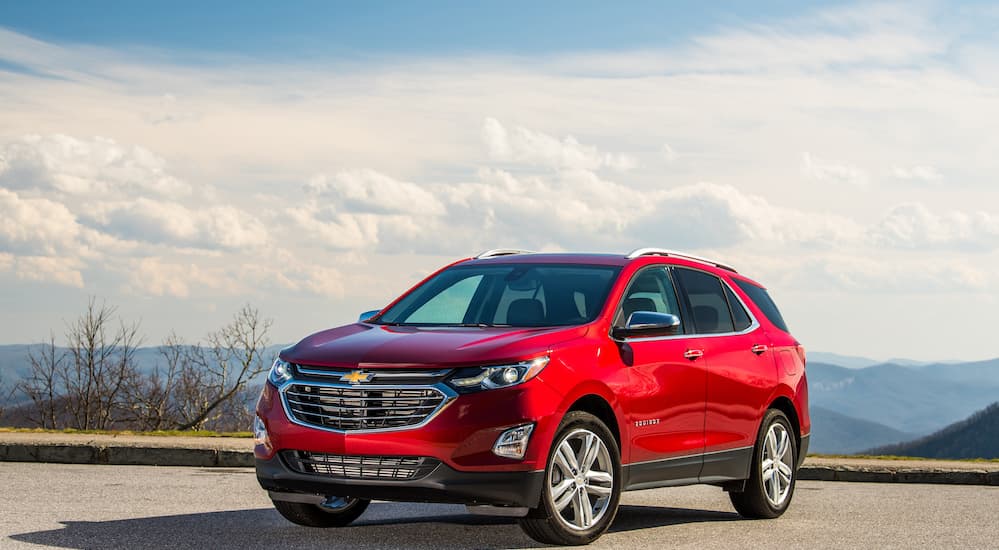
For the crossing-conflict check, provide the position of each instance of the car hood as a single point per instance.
(371, 346)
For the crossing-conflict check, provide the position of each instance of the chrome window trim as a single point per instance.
(449, 397)
(752, 326)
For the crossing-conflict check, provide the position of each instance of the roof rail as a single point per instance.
(676, 254)
(502, 252)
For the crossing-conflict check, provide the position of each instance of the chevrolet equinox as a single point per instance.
(540, 386)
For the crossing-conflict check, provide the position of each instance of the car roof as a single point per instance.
(512, 256)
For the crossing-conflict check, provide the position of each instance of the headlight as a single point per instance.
(280, 372)
(500, 376)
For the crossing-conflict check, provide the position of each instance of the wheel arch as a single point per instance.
(600, 408)
(785, 405)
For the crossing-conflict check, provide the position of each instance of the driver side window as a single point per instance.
(650, 290)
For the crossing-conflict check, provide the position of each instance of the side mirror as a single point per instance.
(647, 323)
(367, 315)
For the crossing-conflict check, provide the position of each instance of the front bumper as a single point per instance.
(461, 436)
(444, 484)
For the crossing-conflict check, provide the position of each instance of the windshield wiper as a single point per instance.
(479, 325)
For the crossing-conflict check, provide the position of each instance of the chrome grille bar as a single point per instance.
(343, 408)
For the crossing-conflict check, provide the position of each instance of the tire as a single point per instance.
(599, 484)
(762, 499)
(312, 515)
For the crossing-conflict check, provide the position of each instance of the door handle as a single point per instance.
(693, 354)
(758, 349)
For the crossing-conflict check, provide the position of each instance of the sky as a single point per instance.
(315, 159)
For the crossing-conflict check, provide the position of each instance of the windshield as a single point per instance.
(515, 295)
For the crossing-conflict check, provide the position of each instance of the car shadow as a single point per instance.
(384, 525)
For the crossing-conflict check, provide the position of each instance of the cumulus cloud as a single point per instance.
(84, 167)
(371, 191)
(63, 271)
(825, 171)
(914, 226)
(35, 226)
(171, 223)
(521, 145)
(326, 227)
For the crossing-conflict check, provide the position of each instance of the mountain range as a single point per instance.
(975, 437)
(856, 403)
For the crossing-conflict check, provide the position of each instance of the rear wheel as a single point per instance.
(771, 482)
(336, 512)
(582, 484)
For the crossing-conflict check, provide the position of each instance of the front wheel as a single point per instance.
(770, 485)
(582, 484)
(343, 511)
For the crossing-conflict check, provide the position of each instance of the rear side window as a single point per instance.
(762, 299)
(706, 296)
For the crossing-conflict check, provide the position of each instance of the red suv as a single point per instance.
(540, 386)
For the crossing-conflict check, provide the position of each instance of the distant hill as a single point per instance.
(836, 433)
(914, 400)
(848, 361)
(974, 437)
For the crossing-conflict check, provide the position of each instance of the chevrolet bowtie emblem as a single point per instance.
(356, 377)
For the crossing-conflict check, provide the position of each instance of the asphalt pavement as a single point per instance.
(103, 506)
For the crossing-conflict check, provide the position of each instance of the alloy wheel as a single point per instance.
(581, 482)
(776, 468)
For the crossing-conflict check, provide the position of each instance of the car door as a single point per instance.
(740, 372)
(665, 391)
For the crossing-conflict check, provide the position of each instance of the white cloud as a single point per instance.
(60, 270)
(158, 277)
(370, 191)
(914, 226)
(926, 174)
(522, 145)
(173, 224)
(824, 171)
(35, 226)
(325, 227)
(84, 167)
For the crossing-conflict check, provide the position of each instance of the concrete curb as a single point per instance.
(237, 453)
(125, 455)
(890, 473)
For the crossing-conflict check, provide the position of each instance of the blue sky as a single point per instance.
(181, 159)
(317, 28)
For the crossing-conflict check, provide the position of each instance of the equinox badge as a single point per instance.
(356, 377)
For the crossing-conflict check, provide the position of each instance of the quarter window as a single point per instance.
(739, 315)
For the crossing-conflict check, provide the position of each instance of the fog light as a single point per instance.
(513, 442)
(260, 432)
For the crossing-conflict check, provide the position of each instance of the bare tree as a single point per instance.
(100, 365)
(218, 372)
(43, 384)
(152, 397)
(5, 396)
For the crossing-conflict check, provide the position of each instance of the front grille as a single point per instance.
(361, 467)
(347, 409)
